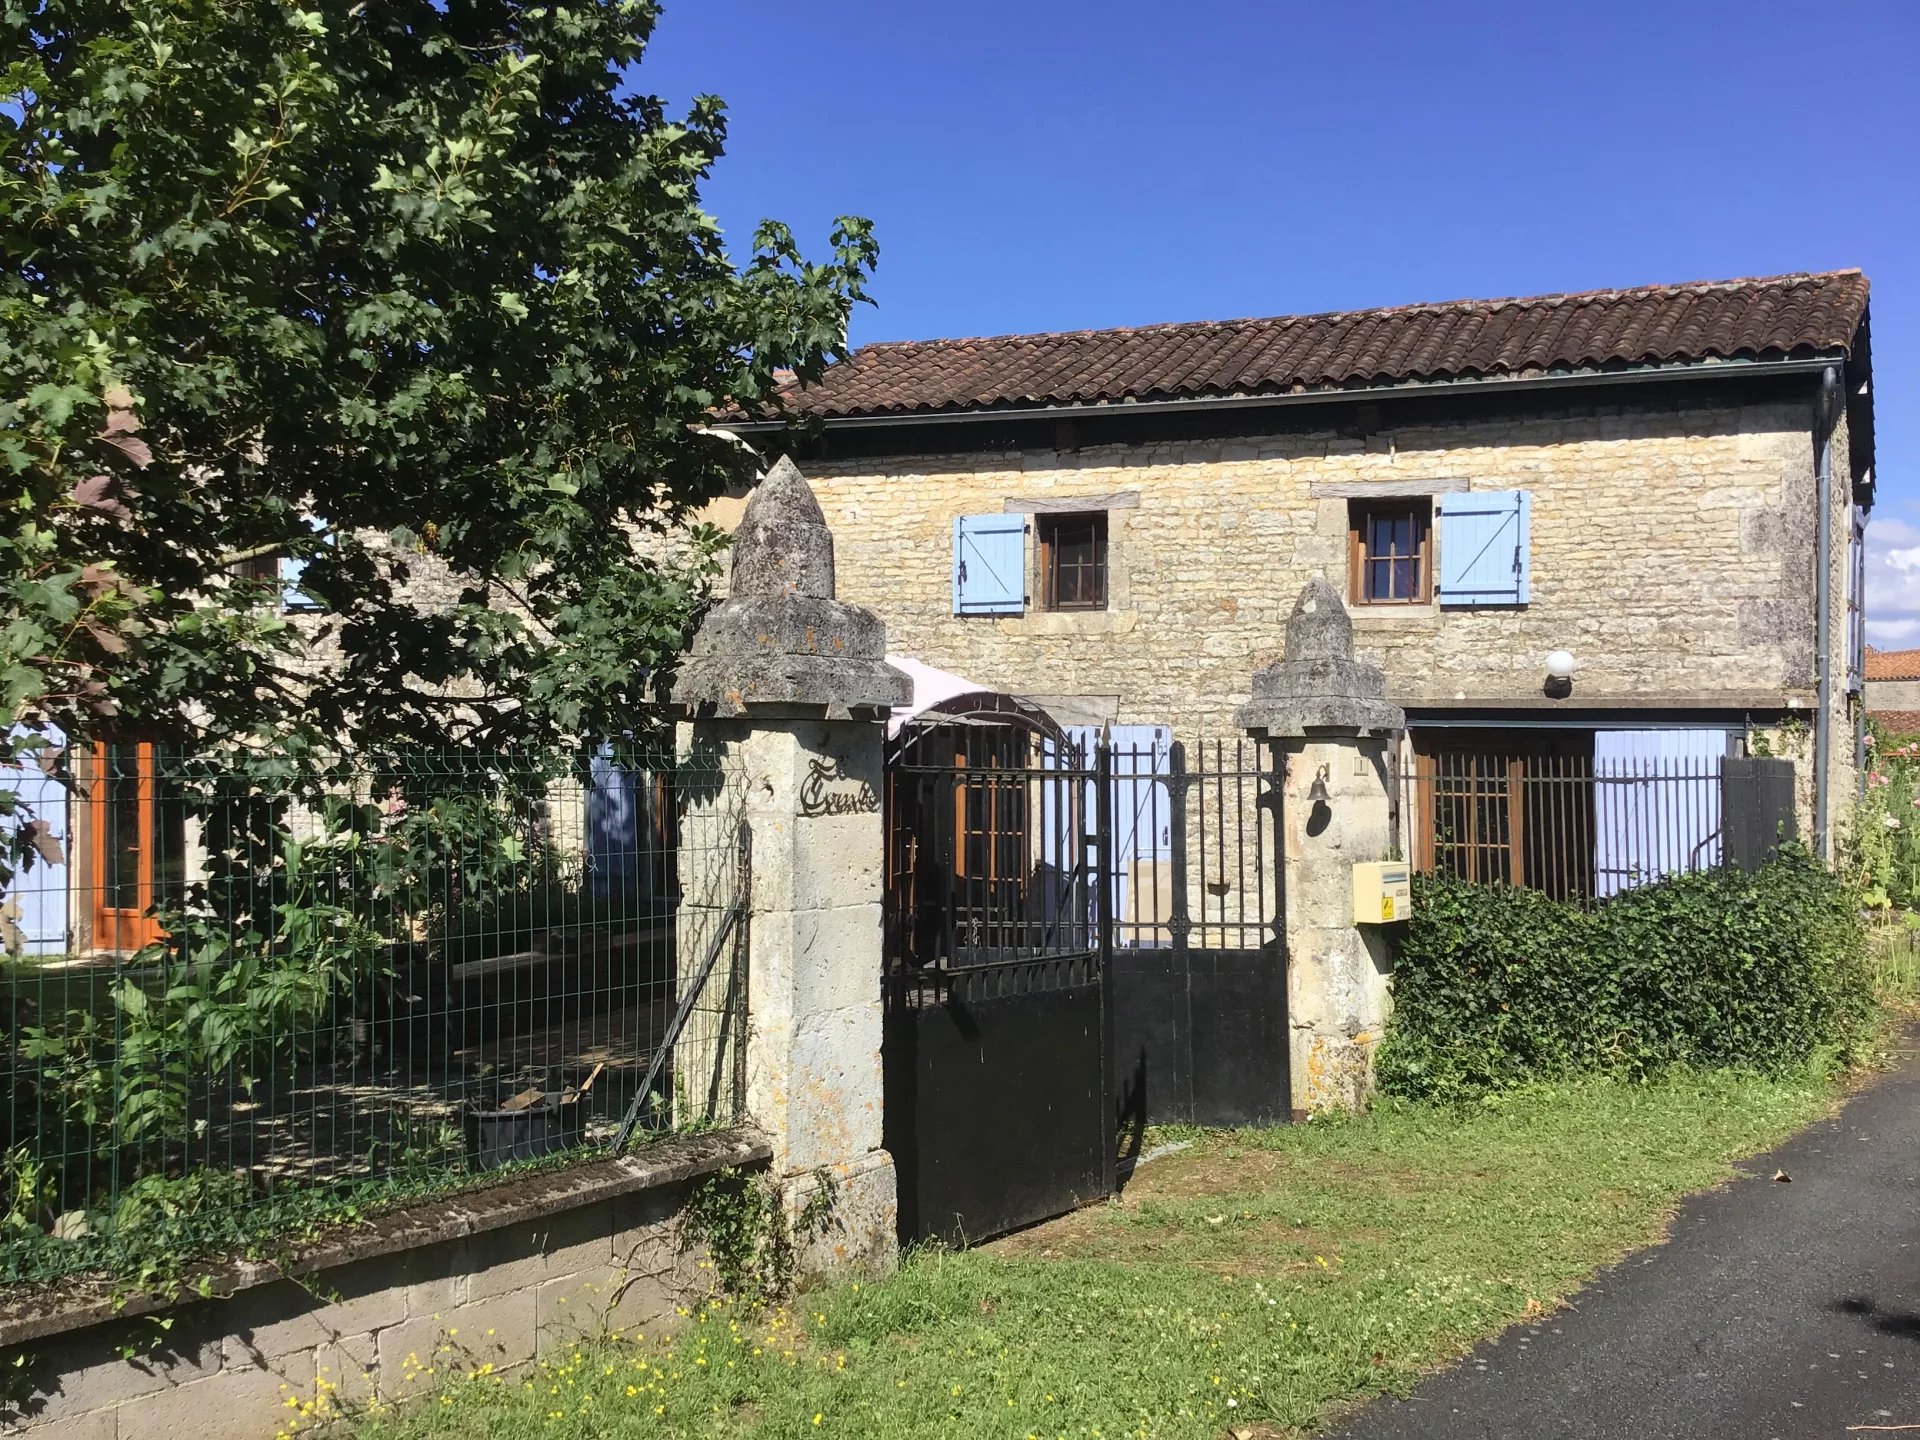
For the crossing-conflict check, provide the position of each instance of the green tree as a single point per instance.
(386, 286)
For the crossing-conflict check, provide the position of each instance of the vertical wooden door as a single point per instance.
(136, 845)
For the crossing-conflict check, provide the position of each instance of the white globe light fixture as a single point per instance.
(1560, 664)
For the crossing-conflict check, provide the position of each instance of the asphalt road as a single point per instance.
(1776, 1310)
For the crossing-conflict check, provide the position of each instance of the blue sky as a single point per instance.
(1058, 164)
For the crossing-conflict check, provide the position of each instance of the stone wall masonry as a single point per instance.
(1893, 695)
(383, 1311)
(1671, 552)
(813, 1075)
(1338, 973)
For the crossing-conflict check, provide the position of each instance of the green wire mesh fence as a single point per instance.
(237, 986)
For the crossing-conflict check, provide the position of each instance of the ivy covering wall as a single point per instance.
(1496, 986)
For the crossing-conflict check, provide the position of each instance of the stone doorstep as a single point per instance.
(40, 1313)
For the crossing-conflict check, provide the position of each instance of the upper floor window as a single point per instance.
(261, 567)
(288, 570)
(1073, 561)
(1390, 552)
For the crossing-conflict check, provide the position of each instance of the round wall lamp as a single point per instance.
(1560, 668)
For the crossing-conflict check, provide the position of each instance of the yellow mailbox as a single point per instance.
(1382, 892)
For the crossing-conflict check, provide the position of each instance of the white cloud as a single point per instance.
(1893, 584)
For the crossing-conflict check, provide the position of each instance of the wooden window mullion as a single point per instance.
(1516, 816)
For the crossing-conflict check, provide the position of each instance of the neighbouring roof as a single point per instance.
(1901, 723)
(1780, 317)
(1893, 664)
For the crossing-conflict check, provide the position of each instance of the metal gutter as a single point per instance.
(1580, 379)
(1824, 417)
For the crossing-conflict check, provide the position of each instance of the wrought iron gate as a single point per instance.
(998, 1038)
(1199, 949)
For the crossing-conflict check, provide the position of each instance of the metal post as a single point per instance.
(1103, 921)
(1180, 920)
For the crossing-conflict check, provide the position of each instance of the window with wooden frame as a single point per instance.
(138, 849)
(990, 809)
(1505, 807)
(1073, 561)
(260, 568)
(1390, 552)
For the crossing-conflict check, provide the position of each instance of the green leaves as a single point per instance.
(1497, 986)
(418, 270)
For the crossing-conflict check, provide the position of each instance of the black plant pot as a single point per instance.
(499, 1137)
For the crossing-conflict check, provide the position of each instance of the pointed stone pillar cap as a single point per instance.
(781, 638)
(1318, 687)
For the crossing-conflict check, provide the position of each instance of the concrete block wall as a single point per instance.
(387, 1325)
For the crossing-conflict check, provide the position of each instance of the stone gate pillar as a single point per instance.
(786, 691)
(1328, 719)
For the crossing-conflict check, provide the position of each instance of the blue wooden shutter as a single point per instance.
(1142, 813)
(990, 565)
(1648, 822)
(613, 825)
(39, 888)
(1066, 825)
(1484, 543)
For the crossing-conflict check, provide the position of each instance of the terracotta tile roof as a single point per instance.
(1893, 664)
(1785, 316)
(1901, 723)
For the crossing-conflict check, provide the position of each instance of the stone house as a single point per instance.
(1661, 488)
(1893, 689)
(126, 847)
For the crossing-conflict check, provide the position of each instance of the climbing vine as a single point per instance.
(751, 1240)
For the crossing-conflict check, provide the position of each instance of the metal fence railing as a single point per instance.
(1574, 827)
(1196, 844)
(225, 989)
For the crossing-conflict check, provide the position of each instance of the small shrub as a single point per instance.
(1497, 986)
(752, 1242)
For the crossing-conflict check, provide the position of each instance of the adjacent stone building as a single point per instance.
(1893, 690)
(1114, 524)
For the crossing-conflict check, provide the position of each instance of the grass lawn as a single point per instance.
(1254, 1282)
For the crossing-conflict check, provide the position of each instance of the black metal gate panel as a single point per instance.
(1199, 952)
(998, 1038)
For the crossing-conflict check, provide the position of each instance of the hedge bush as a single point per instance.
(1496, 986)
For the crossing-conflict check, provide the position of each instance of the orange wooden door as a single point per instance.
(130, 840)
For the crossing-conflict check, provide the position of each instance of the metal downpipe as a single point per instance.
(1823, 609)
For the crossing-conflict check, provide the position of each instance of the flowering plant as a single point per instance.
(1886, 835)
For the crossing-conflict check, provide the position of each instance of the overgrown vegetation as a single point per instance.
(430, 290)
(1253, 1281)
(1885, 837)
(133, 1090)
(1894, 945)
(742, 1221)
(1497, 986)
(165, 1234)
(419, 299)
